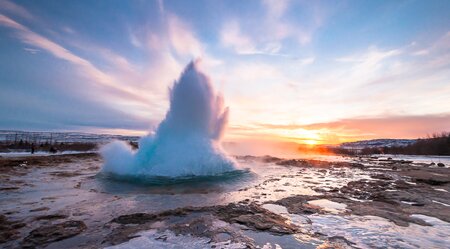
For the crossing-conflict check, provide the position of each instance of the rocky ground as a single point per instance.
(292, 206)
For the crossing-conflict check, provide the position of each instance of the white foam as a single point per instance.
(186, 143)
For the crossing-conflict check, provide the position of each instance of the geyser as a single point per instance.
(186, 142)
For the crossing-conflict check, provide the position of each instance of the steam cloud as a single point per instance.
(187, 141)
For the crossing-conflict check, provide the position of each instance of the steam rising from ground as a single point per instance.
(186, 143)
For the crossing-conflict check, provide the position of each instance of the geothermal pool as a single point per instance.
(350, 202)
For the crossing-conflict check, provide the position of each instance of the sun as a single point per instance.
(310, 142)
(302, 136)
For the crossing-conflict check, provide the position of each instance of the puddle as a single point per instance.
(276, 241)
(329, 206)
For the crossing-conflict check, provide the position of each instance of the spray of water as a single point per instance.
(187, 141)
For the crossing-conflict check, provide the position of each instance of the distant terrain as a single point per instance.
(437, 144)
(53, 142)
(22, 141)
(378, 143)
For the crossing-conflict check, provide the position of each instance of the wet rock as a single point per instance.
(11, 212)
(222, 236)
(433, 181)
(255, 217)
(364, 189)
(142, 218)
(52, 217)
(124, 233)
(40, 209)
(402, 196)
(257, 221)
(391, 212)
(271, 159)
(293, 162)
(382, 176)
(435, 177)
(65, 174)
(337, 242)
(199, 227)
(441, 165)
(299, 204)
(44, 235)
(9, 188)
(432, 209)
(9, 229)
(49, 198)
(137, 218)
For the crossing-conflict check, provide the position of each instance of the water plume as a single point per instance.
(186, 142)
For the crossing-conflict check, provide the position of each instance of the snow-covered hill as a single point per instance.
(377, 143)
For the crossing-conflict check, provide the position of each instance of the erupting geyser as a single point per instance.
(187, 141)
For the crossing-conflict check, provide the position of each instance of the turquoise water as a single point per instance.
(228, 181)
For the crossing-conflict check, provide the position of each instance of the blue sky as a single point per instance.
(298, 70)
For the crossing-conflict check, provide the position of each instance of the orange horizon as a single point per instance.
(327, 133)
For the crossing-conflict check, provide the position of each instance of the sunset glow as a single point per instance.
(309, 72)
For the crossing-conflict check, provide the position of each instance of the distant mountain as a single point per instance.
(436, 144)
(378, 143)
(58, 137)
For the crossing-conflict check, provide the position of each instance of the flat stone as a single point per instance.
(44, 235)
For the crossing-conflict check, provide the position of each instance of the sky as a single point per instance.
(314, 72)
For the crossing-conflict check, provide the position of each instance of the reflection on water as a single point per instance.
(329, 206)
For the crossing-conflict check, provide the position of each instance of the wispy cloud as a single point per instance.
(231, 36)
(182, 38)
(307, 61)
(32, 50)
(368, 65)
(31, 38)
(268, 38)
(12, 8)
